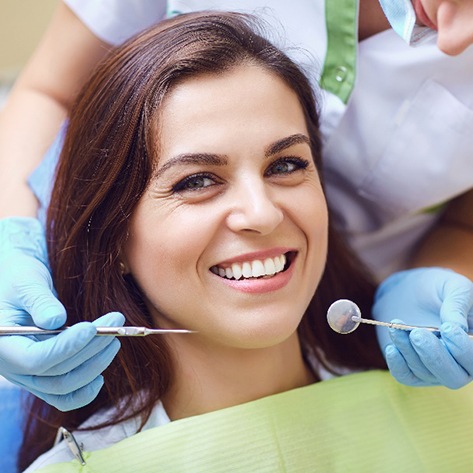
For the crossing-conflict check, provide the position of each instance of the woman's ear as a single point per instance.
(123, 268)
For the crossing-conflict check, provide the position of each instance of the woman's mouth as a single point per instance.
(255, 269)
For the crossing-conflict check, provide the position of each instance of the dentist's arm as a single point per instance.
(39, 103)
(450, 244)
(63, 370)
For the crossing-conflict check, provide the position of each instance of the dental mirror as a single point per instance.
(340, 316)
(344, 316)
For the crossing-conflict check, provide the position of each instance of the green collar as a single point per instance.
(338, 76)
(364, 422)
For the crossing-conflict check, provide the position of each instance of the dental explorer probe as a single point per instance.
(344, 316)
(126, 331)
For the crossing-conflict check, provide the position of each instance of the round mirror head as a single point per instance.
(339, 316)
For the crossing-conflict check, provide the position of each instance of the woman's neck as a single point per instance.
(208, 380)
(371, 19)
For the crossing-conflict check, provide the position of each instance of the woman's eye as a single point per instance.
(194, 183)
(286, 166)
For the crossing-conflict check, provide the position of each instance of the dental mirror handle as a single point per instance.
(397, 326)
(126, 331)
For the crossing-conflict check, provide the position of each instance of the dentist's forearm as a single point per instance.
(28, 124)
(39, 102)
(450, 243)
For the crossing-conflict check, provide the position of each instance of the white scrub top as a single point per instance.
(397, 146)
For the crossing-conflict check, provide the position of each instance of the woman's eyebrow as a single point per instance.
(284, 143)
(222, 160)
(192, 158)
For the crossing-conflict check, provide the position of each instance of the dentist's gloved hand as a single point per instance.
(433, 297)
(65, 369)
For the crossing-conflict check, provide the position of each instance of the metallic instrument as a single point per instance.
(101, 331)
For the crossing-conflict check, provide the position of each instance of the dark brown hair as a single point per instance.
(105, 166)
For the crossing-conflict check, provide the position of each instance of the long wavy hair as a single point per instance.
(105, 166)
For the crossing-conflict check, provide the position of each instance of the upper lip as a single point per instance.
(255, 255)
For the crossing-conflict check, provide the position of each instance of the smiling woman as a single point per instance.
(243, 206)
(211, 216)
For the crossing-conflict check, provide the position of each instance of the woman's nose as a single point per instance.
(254, 209)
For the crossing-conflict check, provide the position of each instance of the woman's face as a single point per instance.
(230, 237)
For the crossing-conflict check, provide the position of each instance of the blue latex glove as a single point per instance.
(65, 369)
(434, 297)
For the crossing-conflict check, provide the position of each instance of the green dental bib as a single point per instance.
(363, 423)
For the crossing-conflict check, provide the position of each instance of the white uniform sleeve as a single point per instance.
(114, 21)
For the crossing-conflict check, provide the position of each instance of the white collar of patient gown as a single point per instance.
(98, 439)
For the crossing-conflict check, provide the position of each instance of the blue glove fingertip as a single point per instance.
(79, 398)
(92, 390)
(395, 333)
(452, 332)
(96, 385)
(48, 313)
(51, 319)
(418, 336)
(82, 334)
(390, 351)
(447, 328)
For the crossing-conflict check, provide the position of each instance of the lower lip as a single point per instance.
(262, 285)
(421, 15)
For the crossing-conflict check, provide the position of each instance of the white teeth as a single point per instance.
(246, 270)
(236, 270)
(269, 266)
(257, 269)
(280, 262)
(252, 269)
